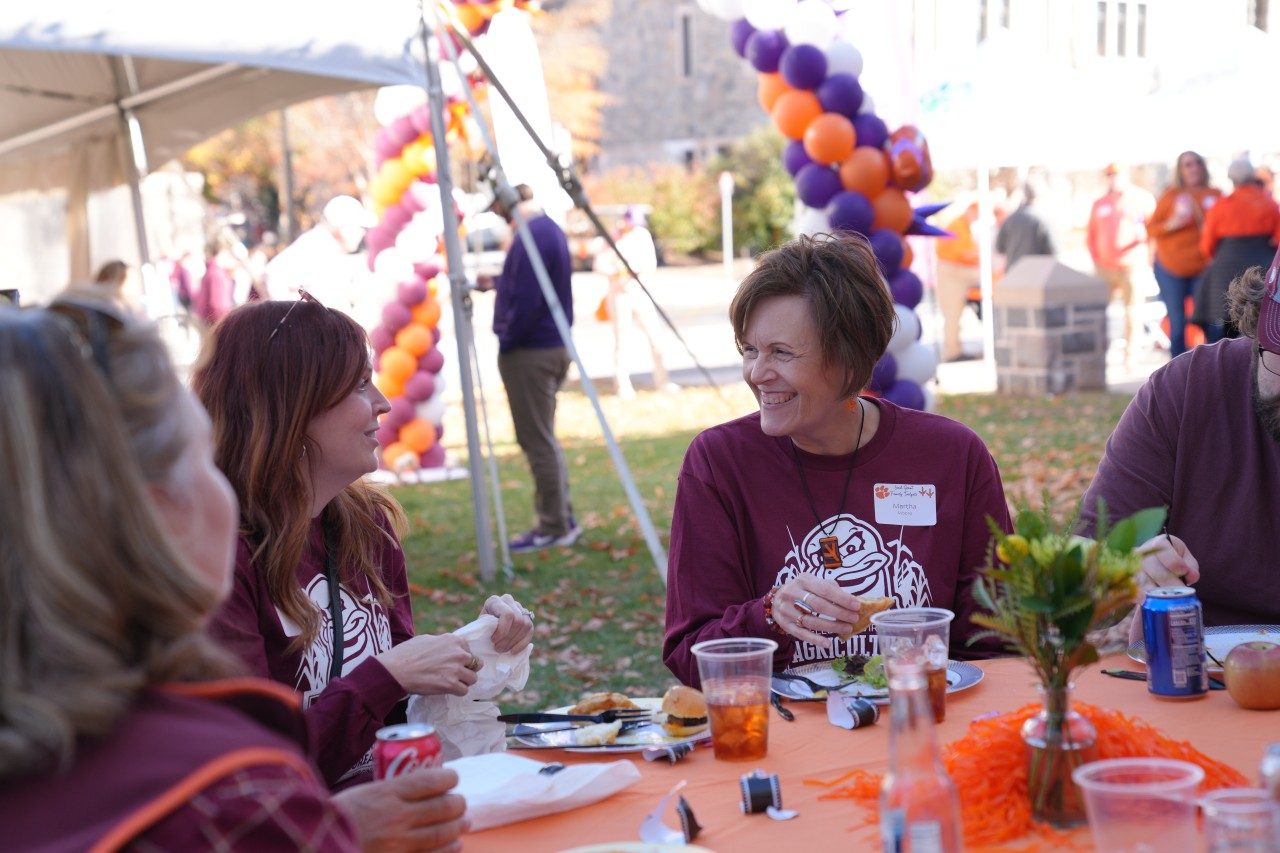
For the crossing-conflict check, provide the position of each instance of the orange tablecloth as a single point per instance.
(811, 748)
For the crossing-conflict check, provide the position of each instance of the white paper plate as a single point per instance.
(634, 740)
(961, 675)
(1220, 640)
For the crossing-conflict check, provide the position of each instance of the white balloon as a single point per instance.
(813, 22)
(917, 362)
(930, 399)
(811, 220)
(393, 264)
(441, 385)
(768, 14)
(843, 58)
(905, 331)
(432, 411)
(868, 104)
(391, 102)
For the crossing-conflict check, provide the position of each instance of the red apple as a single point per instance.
(1252, 673)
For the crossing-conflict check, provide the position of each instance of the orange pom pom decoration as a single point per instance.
(426, 313)
(794, 110)
(418, 435)
(866, 171)
(397, 365)
(829, 138)
(415, 339)
(769, 89)
(892, 210)
(908, 256)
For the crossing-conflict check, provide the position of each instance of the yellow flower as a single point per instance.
(1013, 547)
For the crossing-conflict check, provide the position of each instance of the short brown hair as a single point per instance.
(1244, 297)
(839, 277)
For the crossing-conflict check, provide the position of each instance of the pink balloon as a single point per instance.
(421, 118)
(402, 132)
(395, 316)
(381, 338)
(396, 217)
(435, 335)
(426, 269)
(411, 293)
(433, 458)
(432, 361)
(401, 413)
(379, 237)
(420, 387)
(384, 147)
(373, 256)
(386, 435)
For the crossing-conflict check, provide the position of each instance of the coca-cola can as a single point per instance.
(404, 748)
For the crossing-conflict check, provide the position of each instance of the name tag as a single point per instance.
(906, 504)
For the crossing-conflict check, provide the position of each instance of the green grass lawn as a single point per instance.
(600, 604)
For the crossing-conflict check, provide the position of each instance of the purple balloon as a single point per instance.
(400, 413)
(907, 288)
(739, 32)
(764, 50)
(841, 93)
(871, 130)
(816, 185)
(439, 432)
(906, 393)
(396, 217)
(884, 374)
(420, 387)
(420, 118)
(384, 146)
(888, 248)
(381, 338)
(402, 131)
(435, 337)
(386, 435)
(410, 293)
(433, 458)
(426, 269)
(803, 66)
(850, 211)
(432, 361)
(395, 316)
(379, 237)
(794, 157)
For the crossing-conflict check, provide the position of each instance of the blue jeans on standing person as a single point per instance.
(1174, 290)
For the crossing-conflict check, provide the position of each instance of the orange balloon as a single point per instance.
(397, 365)
(418, 435)
(829, 138)
(865, 170)
(426, 313)
(892, 210)
(470, 17)
(769, 89)
(908, 256)
(793, 111)
(389, 388)
(397, 455)
(415, 339)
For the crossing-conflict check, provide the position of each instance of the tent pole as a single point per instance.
(460, 298)
(135, 166)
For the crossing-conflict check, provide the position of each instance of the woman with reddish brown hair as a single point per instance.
(287, 385)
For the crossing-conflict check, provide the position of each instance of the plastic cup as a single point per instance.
(927, 629)
(1241, 819)
(735, 681)
(1137, 805)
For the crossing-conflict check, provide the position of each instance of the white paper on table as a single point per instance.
(501, 788)
(468, 725)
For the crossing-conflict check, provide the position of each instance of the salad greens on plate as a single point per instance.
(867, 670)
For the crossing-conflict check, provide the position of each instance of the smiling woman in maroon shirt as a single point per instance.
(782, 517)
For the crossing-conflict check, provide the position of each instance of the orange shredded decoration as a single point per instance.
(989, 768)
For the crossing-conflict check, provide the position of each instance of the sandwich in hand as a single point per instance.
(686, 711)
(867, 607)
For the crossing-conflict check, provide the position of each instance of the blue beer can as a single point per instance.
(1173, 630)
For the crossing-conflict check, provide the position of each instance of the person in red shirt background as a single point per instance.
(1240, 232)
(1116, 238)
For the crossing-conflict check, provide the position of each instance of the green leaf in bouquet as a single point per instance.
(1030, 524)
(1123, 536)
(1036, 604)
(1148, 523)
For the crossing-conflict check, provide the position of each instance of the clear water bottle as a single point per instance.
(919, 808)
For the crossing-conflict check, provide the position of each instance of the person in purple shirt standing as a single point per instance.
(320, 599)
(1202, 437)
(784, 516)
(533, 362)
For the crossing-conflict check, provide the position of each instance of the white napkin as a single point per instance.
(502, 789)
(468, 725)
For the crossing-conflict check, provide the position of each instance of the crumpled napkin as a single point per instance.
(468, 725)
(502, 788)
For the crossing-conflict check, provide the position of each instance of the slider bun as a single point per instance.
(686, 711)
(868, 607)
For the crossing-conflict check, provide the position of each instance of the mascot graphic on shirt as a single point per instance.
(868, 566)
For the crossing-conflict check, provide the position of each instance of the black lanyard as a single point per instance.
(335, 598)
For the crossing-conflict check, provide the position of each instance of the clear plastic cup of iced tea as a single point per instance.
(926, 629)
(735, 681)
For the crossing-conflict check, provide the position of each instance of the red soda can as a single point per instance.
(404, 748)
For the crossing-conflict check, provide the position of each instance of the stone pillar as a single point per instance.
(1051, 329)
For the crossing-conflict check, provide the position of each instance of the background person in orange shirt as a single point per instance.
(957, 274)
(1175, 228)
(1240, 232)
(1116, 235)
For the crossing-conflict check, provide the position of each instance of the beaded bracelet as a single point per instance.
(767, 601)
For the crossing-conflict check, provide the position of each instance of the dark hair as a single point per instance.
(263, 383)
(1244, 297)
(1177, 169)
(112, 273)
(839, 277)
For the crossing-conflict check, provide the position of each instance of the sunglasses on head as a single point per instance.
(303, 296)
(95, 322)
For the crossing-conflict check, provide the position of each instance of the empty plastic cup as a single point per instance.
(1241, 819)
(735, 681)
(1140, 805)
